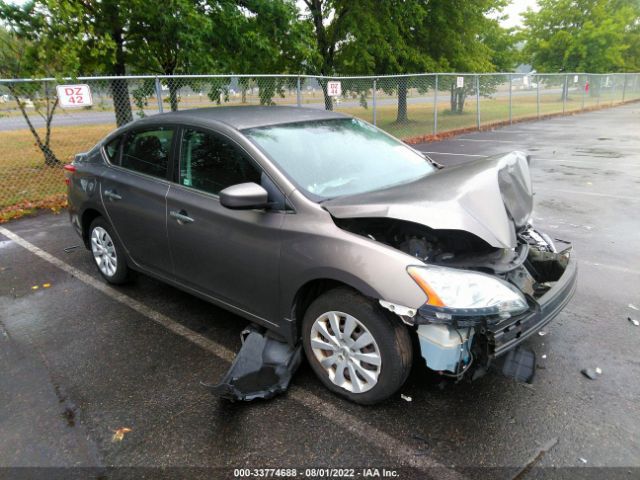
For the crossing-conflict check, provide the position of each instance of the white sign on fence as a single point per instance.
(525, 81)
(460, 82)
(74, 96)
(334, 89)
(575, 79)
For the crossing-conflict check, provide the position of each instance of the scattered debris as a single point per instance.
(35, 287)
(406, 398)
(583, 460)
(634, 321)
(118, 435)
(632, 306)
(71, 248)
(598, 370)
(542, 333)
(590, 373)
(544, 356)
(46, 285)
(262, 368)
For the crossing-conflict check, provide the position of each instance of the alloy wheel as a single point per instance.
(347, 351)
(104, 251)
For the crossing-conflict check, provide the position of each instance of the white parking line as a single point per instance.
(457, 154)
(405, 454)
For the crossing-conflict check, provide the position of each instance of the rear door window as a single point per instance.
(148, 151)
(112, 149)
(211, 162)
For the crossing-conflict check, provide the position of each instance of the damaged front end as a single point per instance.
(482, 302)
(490, 278)
(543, 276)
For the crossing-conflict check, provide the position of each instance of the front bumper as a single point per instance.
(502, 336)
(506, 335)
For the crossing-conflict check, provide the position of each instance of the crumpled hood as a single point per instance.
(489, 198)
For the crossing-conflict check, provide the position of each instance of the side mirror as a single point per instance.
(244, 196)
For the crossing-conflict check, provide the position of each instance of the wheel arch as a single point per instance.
(313, 288)
(88, 216)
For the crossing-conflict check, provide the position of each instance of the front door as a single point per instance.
(134, 193)
(232, 255)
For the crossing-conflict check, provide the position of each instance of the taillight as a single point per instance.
(69, 170)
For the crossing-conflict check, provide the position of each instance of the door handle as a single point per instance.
(112, 195)
(181, 217)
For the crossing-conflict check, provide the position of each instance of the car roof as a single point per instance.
(244, 117)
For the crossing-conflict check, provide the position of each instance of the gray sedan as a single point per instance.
(328, 233)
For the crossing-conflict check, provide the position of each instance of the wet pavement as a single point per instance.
(80, 360)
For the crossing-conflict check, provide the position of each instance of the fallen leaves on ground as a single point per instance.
(118, 435)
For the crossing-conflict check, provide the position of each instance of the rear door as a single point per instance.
(134, 191)
(232, 255)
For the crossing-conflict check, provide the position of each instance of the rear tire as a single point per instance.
(107, 252)
(363, 369)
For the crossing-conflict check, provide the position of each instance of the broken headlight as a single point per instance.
(466, 293)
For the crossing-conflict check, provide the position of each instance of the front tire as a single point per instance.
(356, 348)
(107, 252)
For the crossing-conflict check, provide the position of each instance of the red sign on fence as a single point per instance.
(334, 89)
(70, 96)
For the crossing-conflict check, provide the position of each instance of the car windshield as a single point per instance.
(334, 158)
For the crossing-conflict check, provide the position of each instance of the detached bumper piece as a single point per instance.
(263, 368)
(518, 364)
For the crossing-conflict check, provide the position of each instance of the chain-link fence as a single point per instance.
(38, 135)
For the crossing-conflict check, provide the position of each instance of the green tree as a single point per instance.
(583, 35)
(40, 56)
(270, 38)
(92, 32)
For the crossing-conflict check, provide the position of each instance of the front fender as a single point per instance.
(315, 250)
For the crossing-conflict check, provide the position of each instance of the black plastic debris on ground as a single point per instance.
(263, 368)
(519, 364)
(590, 373)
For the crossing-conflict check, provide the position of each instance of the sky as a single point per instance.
(515, 9)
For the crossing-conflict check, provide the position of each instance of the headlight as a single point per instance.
(463, 292)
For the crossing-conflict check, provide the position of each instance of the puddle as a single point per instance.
(596, 152)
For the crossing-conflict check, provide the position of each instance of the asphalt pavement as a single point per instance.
(83, 364)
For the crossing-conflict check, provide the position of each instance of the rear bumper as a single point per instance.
(505, 336)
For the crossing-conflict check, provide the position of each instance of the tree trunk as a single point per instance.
(119, 86)
(50, 159)
(402, 116)
(121, 103)
(565, 91)
(457, 99)
(328, 101)
(173, 94)
(461, 98)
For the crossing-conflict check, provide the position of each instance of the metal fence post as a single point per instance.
(435, 107)
(373, 99)
(584, 90)
(298, 92)
(538, 97)
(599, 90)
(159, 94)
(510, 99)
(624, 87)
(613, 91)
(565, 93)
(478, 101)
